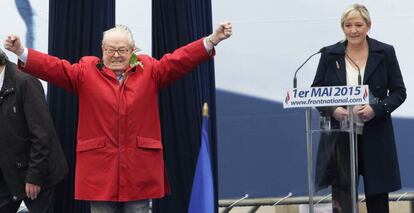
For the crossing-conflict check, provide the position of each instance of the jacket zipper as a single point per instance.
(123, 83)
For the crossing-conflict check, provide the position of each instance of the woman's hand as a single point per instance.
(365, 112)
(340, 113)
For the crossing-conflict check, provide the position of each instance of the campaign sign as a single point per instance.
(326, 96)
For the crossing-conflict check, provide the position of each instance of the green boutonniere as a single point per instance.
(134, 61)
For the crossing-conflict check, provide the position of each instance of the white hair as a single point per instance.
(122, 29)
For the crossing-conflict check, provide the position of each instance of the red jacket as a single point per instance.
(119, 149)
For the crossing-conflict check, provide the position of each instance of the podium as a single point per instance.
(335, 166)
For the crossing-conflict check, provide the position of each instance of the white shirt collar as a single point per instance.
(2, 77)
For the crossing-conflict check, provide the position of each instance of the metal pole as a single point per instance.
(353, 154)
(310, 158)
(270, 201)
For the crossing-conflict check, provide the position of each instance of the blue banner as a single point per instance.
(202, 195)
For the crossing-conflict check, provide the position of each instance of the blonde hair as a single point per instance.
(122, 29)
(356, 10)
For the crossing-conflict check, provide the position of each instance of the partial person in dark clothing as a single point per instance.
(31, 158)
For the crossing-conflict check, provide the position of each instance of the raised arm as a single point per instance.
(49, 68)
(175, 65)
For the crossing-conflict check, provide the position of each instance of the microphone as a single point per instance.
(356, 65)
(283, 198)
(100, 65)
(295, 80)
(229, 208)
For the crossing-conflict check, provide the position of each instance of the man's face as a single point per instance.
(116, 51)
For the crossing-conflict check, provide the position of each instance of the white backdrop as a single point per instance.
(137, 16)
(12, 23)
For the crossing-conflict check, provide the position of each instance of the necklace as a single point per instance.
(357, 55)
(355, 58)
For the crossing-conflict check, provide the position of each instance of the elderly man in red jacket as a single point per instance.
(119, 151)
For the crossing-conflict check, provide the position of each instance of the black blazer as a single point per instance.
(383, 76)
(30, 151)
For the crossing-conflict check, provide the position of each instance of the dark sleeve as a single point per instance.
(395, 85)
(39, 124)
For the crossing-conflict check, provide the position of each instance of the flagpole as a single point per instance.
(205, 109)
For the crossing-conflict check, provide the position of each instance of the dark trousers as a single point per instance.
(341, 187)
(44, 203)
(341, 202)
(137, 206)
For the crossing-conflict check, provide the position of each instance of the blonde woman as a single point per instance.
(360, 59)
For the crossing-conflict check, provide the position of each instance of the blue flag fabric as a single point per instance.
(202, 194)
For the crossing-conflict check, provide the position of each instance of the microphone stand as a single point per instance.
(353, 145)
(356, 65)
(295, 80)
(308, 137)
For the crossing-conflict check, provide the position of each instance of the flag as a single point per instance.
(202, 194)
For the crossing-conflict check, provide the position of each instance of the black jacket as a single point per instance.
(30, 151)
(383, 76)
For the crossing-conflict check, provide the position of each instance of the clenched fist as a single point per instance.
(14, 44)
(223, 31)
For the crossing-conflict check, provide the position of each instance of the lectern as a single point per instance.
(342, 180)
